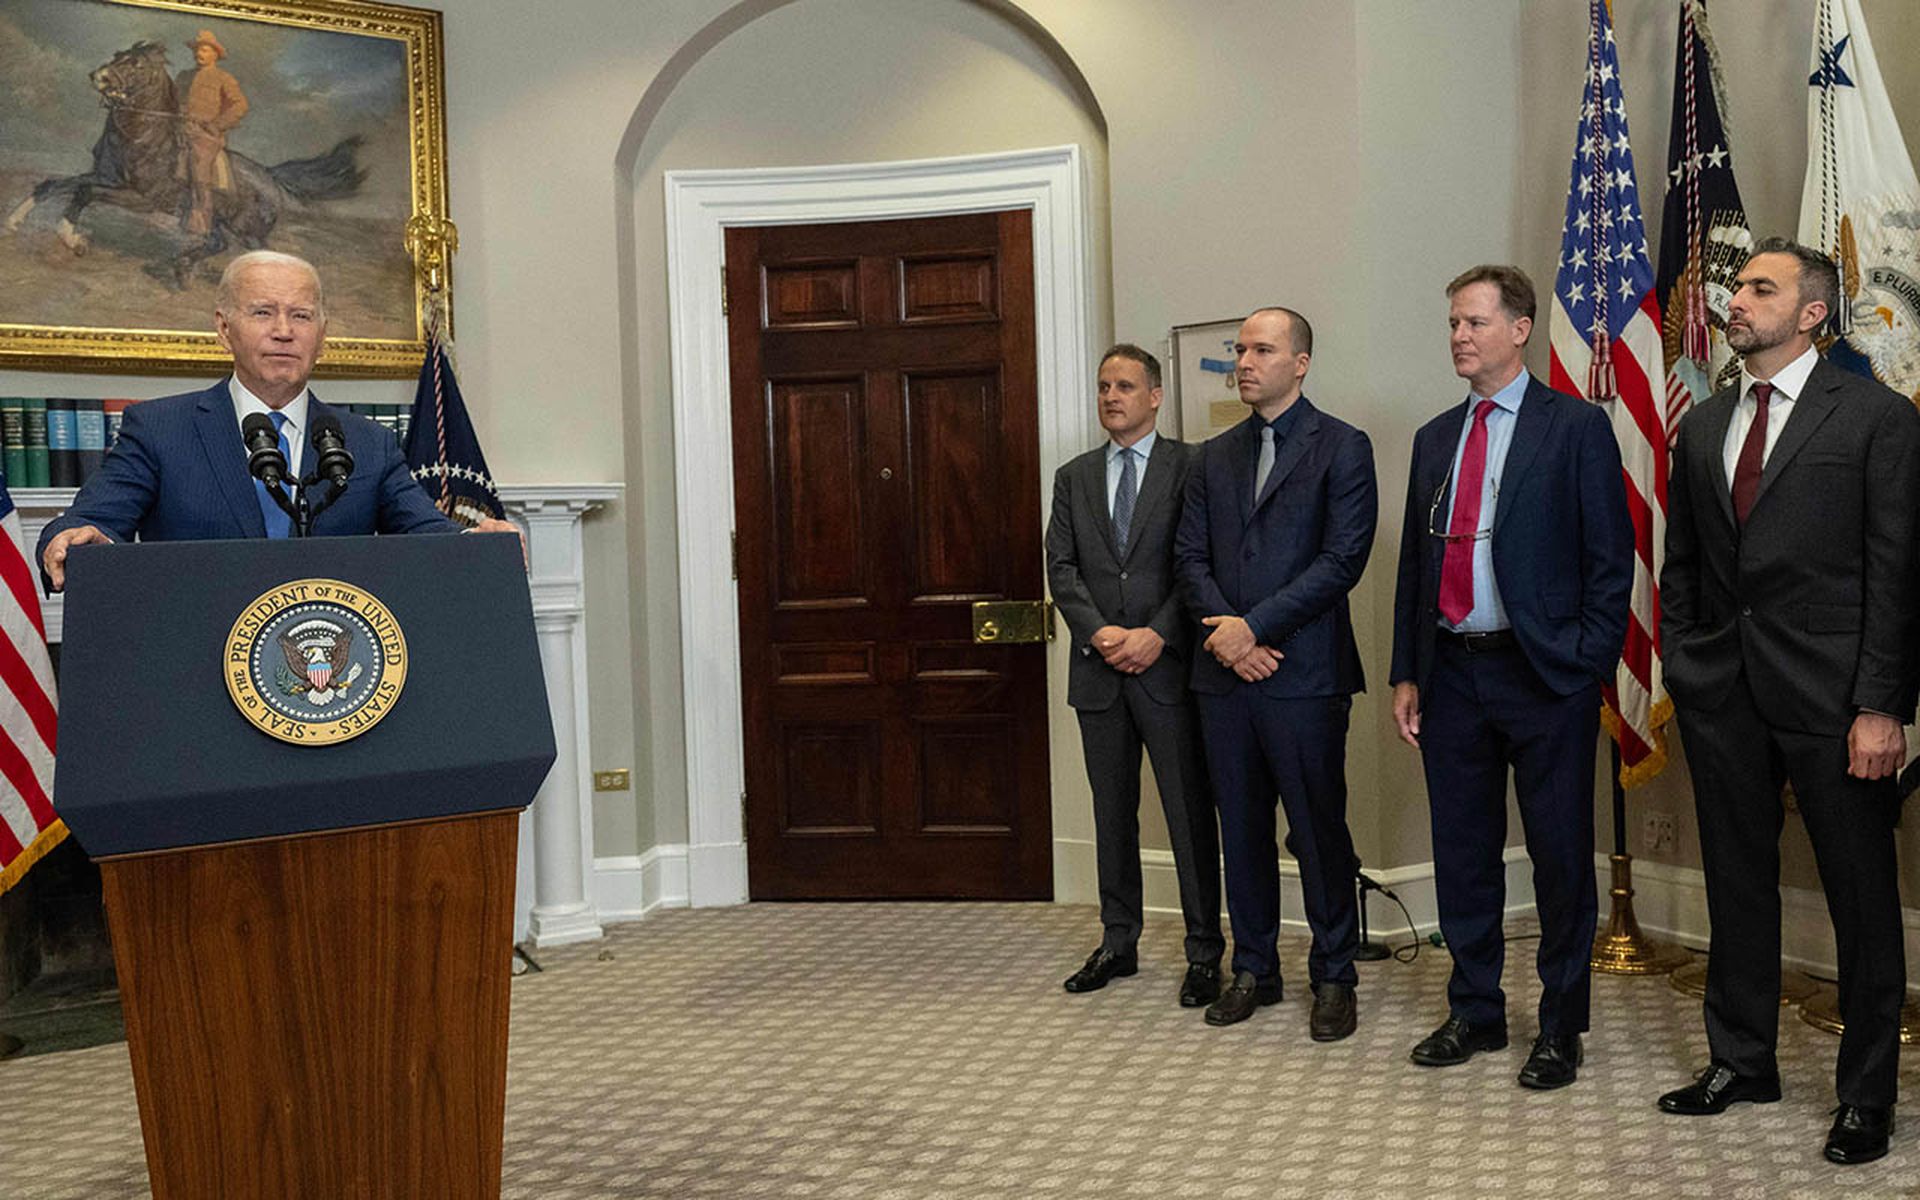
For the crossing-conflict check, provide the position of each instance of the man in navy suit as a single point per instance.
(179, 468)
(1516, 564)
(1279, 521)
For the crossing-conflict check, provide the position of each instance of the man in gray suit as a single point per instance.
(1110, 564)
(1788, 623)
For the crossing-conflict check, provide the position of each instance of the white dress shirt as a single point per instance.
(1787, 383)
(245, 402)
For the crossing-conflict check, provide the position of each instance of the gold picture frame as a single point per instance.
(338, 154)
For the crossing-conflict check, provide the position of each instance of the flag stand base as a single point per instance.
(1621, 949)
(1795, 988)
(10, 1045)
(1823, 1012)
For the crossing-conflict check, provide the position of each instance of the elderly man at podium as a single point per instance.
(179, 469)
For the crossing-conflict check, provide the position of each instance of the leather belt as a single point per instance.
(1481, 643)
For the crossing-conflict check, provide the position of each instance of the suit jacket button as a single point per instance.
(1745, 611)
(1123, 574)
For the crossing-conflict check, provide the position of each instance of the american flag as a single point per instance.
(1605, 334)
(28, 828)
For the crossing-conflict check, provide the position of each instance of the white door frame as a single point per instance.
(700, 206)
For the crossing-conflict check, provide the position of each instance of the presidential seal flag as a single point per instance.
(1704, 236)
(1861, 203)
(1605, 335)
(28, 828)
(442, 451)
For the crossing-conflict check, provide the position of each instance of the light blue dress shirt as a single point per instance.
(1143, 448)
(1488, 613)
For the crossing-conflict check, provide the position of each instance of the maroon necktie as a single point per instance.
(1753, 453)
(1456, 567)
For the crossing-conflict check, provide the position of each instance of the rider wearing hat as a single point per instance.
(211, 104)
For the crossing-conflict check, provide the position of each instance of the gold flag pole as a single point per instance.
(1621, 948)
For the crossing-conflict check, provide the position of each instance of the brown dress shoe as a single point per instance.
(1246, 993)
(1335, 1013)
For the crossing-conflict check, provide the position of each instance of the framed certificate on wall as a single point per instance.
(1206, 397)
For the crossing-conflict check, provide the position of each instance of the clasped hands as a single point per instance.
(1128, 651)
(1232, 643)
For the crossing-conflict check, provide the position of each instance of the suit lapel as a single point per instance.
(1814, 405)
(1157, 483)
(226, 461)
(1287, 456)
(1093, 491)
(314, 411)
(1536, 416)
(1714, 418)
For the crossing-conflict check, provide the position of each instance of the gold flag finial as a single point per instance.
(432, 241)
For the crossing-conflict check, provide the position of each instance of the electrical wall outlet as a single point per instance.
(1656, 832)
(612, 781)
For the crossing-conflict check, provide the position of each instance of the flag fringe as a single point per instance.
(1656, 760)
(42, 845)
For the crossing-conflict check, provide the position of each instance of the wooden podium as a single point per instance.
(314, 941)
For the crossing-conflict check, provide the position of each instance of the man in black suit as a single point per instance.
(1516, 565)
(1788, 626)
(1278, 524)
(1110, 565)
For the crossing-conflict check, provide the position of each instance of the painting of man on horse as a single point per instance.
(179, 176)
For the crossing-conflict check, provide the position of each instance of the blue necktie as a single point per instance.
(279, 524)
(1123, 498)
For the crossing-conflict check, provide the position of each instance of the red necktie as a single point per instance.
(1456, 568)
(1753, 453)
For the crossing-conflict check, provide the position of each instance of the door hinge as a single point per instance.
(743, 809)
(723, 289)
(733, 540)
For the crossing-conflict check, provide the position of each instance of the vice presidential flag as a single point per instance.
(1605, 333)
(442, 450)
(1704, 237)
(28, 828)
(1861, 202)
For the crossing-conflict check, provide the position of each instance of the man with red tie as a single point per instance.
(1516, 564)
(1791, 608)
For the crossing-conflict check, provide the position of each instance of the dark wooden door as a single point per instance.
(886, 476)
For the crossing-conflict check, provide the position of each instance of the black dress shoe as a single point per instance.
(1335, 1013)
(1858, 1134)
(1718, 1086)
(1101, 967)
(1245, 994)
(1201, 986)
(1455, 1042)
(1554, 1062)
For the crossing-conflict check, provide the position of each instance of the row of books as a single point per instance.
(59, 442)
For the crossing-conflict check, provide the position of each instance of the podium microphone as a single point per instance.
(330, 451)
(265, 462)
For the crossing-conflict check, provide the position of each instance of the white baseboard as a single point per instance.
(628, 887)
(1413, 884)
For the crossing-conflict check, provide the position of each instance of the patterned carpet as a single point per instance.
(927, 1051)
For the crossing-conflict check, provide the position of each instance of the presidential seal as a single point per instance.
(315, 661)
